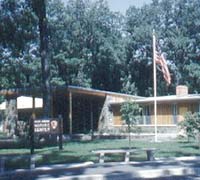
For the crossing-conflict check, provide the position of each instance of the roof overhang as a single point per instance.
(75, 90)
(100, 93)
(168, 99)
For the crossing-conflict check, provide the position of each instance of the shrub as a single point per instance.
(191, 125)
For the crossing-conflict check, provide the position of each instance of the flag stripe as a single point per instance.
(160, 60)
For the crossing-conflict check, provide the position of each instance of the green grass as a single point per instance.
(81, 151)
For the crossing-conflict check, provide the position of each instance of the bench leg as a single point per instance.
(2, 162)
(101, 158)
(150, 155)
(32, 162)
(127, 156)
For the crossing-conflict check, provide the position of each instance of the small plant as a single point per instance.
(130, 114)
(191, 126)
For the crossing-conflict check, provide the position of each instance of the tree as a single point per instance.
(191, 125)
(87, 44)
(139, 26)
(130, 114)
(106, 47)
(68, 36)
(39, 7)
(17, 44)
(128, 87)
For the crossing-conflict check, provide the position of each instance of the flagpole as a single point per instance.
(155, 86)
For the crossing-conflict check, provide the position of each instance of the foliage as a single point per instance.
(130, 114)
(18, 45)
(191, 125)
(92, 46)
(178, 37)
(128, 87)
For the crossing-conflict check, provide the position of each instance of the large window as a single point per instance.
(174, 113)
(147, 117)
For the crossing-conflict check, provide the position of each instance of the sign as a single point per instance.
(46, 126)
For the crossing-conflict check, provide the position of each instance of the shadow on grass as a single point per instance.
(195, 147)
(58, 157)
(177, 154)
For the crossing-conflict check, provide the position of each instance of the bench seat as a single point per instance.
(149, 152)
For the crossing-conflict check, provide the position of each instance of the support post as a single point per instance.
(127, 156)
(32, 135)
(2, 163)
(101, 158)
(32, 128)
(150, 155)
(91, 119)
(70, 113)
(32, 162)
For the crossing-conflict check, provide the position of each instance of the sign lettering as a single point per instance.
(43, 126)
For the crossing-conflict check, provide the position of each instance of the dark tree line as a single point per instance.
(84, 43)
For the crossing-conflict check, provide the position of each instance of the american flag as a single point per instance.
(160, 60)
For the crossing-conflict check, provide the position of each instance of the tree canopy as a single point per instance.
(91, 46)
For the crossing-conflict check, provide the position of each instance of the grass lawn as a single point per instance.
(81, 151)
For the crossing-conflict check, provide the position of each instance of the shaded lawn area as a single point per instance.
(74, 152)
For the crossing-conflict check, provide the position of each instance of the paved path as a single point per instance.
(174, 169)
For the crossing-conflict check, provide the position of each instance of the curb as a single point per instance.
(162, 168)
(49, 168)
(186, 158)
(142, 174)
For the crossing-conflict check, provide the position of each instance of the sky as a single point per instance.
(122, 5)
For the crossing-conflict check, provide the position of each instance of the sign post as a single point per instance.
(60, 132)
(31, 131)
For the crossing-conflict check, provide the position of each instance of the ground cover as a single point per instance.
(76, 151)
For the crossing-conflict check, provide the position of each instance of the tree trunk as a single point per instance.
(40, 8)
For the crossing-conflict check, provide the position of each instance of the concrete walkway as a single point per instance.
(164, 169)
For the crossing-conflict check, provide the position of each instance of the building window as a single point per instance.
(147, 115)
(174, 113)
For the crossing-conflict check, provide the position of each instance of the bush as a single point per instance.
(191, 125)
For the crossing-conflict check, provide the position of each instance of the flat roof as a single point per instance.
(65, 89)
(95, 92)
(167, 99)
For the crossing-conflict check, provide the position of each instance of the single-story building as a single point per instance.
(85, 109)
(24, 106)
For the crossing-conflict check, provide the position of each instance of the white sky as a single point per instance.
(122, 5)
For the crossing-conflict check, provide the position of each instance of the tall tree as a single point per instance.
(39, 7)
(17, 44)
(87, 44)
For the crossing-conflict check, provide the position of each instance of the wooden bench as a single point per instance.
(4, 158)
(149, 152)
